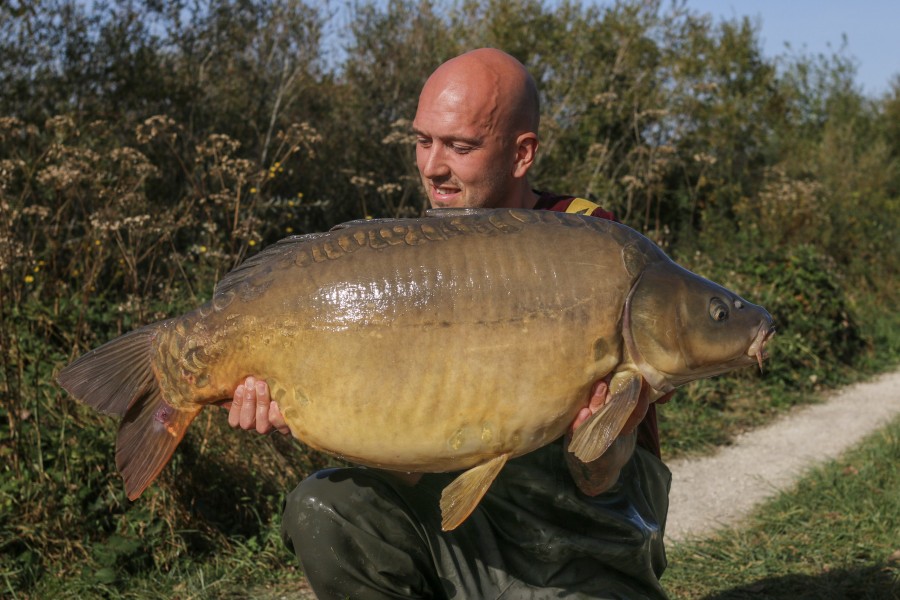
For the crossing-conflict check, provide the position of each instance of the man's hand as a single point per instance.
(598, 476)
(599, 398)
(252, 408)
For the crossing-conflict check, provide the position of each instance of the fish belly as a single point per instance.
(443, 402)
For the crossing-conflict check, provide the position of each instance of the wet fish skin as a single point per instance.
(433, 344)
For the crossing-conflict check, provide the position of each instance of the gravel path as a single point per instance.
(717, 490)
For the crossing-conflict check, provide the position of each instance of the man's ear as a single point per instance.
(526, 151)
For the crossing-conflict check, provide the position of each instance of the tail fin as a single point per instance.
(117, 378)
(148, 435)
(110, 378)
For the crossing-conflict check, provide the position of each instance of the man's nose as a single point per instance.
(432, 163)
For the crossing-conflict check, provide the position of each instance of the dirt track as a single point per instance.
(717, 490)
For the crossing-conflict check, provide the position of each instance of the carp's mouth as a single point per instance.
(758, 348)
(664, 382)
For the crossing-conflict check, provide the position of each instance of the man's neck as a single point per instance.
(527, 198)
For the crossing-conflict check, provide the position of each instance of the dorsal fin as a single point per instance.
(456, 212)
(356, 222)
(261, 263)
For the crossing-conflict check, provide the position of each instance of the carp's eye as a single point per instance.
(718, 310)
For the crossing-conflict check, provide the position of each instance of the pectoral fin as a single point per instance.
(597, 434)
(460, 498)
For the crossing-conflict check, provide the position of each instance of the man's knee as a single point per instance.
(309, 507)
(353, 531)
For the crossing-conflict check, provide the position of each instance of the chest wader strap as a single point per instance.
(580, 206)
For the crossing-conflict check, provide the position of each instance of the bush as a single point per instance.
(818, 344)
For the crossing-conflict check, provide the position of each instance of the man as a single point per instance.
(550, 525)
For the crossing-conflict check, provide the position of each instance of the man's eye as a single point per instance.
(423, 142)
(461, 149)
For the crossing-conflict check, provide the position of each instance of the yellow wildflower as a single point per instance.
(289, 229)
(253, 190)
(251, 243)
(29, 279)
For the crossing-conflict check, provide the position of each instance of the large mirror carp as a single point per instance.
(450, 342)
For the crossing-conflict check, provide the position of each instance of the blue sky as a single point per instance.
(872, 28)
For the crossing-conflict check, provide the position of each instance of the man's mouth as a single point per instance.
(444, 192)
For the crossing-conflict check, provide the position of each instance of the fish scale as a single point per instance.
(451, 342)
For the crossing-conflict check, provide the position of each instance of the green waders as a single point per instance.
(360, 534)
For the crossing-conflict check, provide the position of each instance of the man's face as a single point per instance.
(464, 157)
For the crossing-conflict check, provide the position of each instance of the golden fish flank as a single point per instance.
(452, 342)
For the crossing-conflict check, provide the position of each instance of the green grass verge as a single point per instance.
(834, 535)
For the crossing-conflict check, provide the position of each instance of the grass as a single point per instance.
(834, 535)
(223, 557)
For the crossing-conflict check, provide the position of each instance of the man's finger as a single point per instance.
(583, 415)
(599, 395)
(248, 409)
(262, 407)
(234, 411)
(665, 398)
(276, 419)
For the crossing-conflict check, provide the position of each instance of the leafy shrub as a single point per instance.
(87, 252)
(818, 344)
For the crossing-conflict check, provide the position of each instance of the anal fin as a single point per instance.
(597, 434)
(148, 435)
(460, 498)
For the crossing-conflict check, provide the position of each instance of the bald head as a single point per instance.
(476, 132)
(493, 81)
